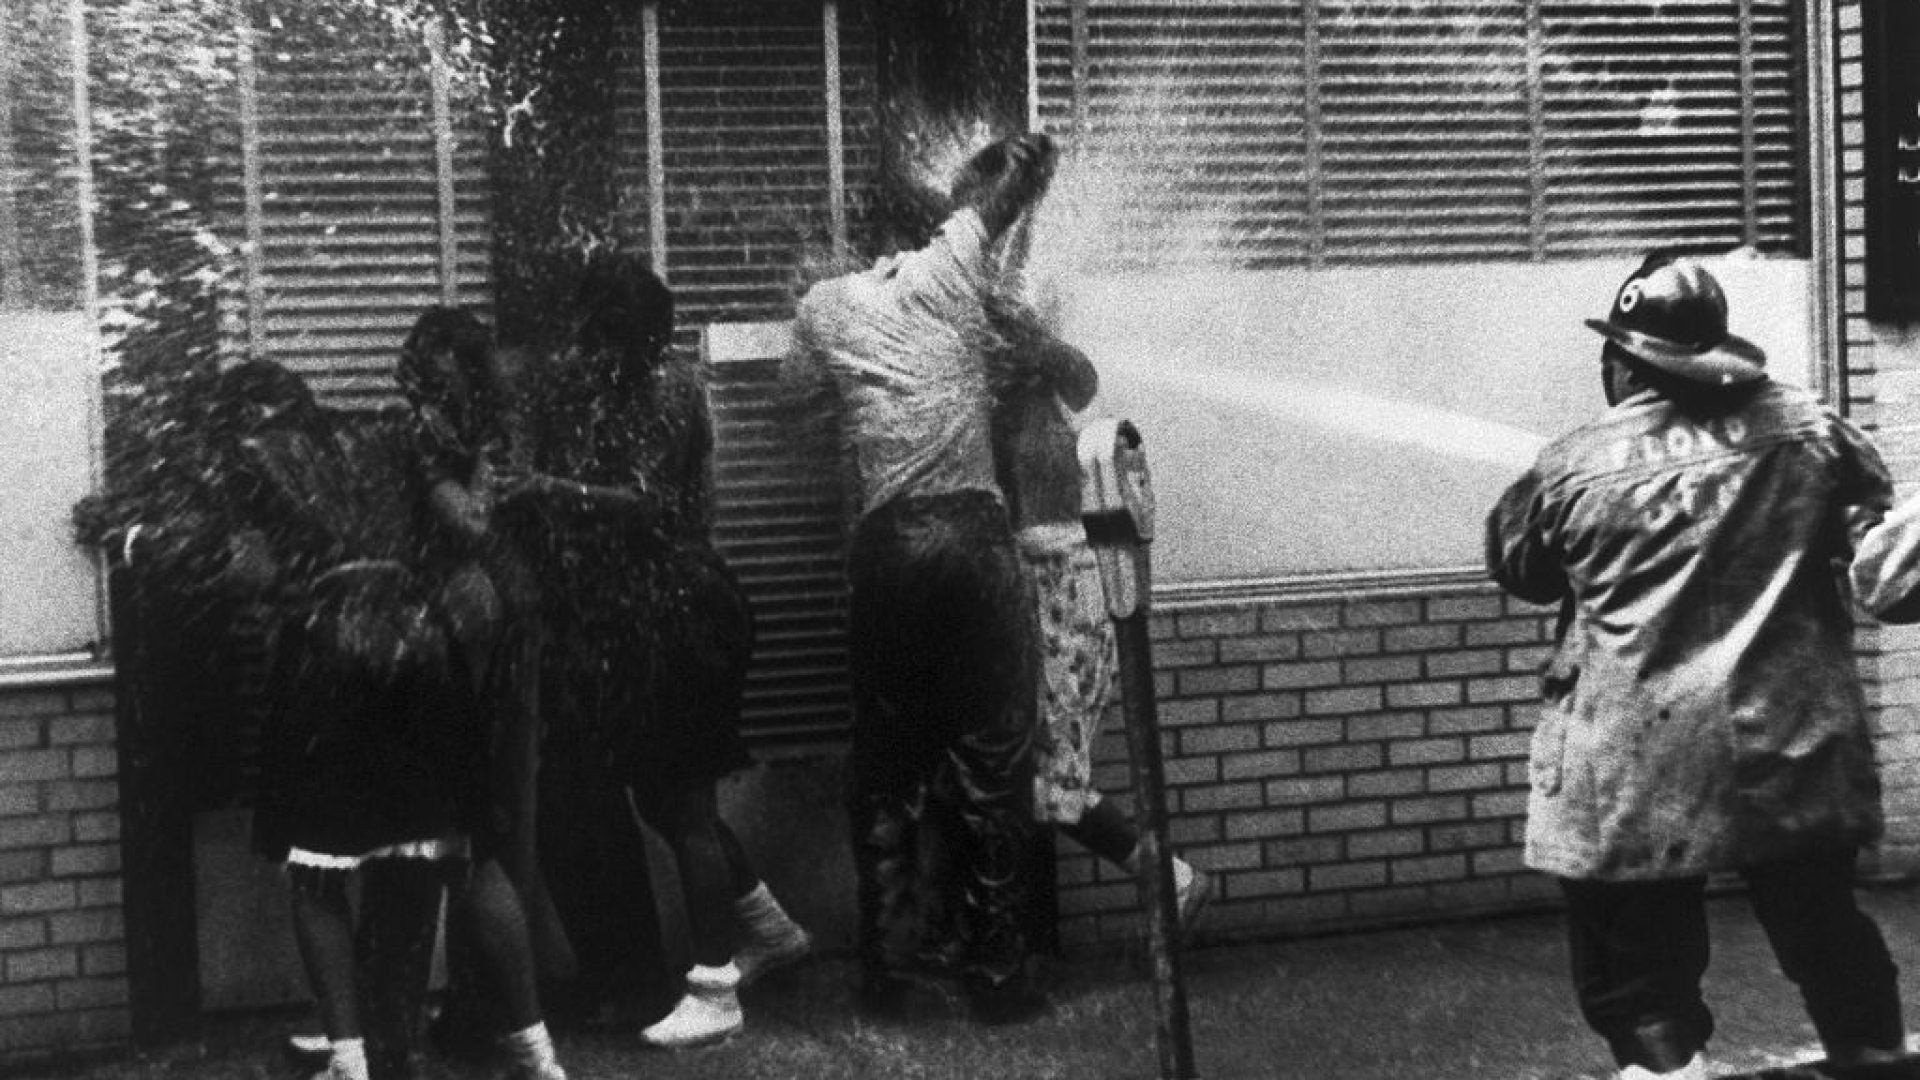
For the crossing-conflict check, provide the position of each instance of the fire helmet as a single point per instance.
(1672, 315)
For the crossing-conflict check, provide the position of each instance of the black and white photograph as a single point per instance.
(945, 539)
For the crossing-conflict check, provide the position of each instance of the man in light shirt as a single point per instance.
(941, 627)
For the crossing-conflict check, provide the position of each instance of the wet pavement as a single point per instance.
(1484, 1000)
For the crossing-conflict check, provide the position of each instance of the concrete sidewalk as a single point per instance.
(1486, 1000)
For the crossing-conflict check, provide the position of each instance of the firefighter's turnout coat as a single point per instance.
(1702, 710)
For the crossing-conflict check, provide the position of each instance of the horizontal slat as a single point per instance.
(1423, 109)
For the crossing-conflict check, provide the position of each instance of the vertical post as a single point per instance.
(836, 128)
(83, 166)
(1117, 510)
(1081, 34)
(13, 270)
(1312, 154)
(1033, 65)
(656, 139)
(443, 151)
(1536, 132)
(86, 197)
(252, 204)
(1829, 363)
(1749, 135)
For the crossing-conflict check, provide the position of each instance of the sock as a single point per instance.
(533, 1047)
(348, 1059)
(760, 914)
(755, 904)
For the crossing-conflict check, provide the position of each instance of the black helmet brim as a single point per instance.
(1733, 361)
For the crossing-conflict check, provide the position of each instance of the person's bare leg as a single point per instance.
(323, 931)
(504, 950)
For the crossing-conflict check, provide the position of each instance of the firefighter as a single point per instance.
(1702, 711)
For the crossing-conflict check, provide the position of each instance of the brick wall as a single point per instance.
(63, 957)
(1336, 761)
(1882, 364)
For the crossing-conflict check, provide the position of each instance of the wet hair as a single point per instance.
(263, 382)
(624, 308)
(455, 333)
(257, 392)
(980, 170)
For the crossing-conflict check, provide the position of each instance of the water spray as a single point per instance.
(1116, 508)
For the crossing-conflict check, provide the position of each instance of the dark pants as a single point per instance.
(714, 872)
(1639, 950)
(942, 658)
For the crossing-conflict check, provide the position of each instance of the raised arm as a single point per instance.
(1005, 179)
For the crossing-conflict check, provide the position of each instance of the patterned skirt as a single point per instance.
(1078, 668)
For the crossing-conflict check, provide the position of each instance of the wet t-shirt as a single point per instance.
(902, 342)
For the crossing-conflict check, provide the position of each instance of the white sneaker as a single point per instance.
(1695, 1069)
(709, 1012)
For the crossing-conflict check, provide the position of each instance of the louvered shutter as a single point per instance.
(778, 520)
(1193, 116)
(744, 130)
(746, 187)
(1657, 133)
(355, 239)
(1423, 129)
(1355, 131)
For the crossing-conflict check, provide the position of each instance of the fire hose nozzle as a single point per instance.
(1116, 508)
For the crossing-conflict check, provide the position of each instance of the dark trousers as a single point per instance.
(942, 646)
(1639, 950)
(714, 872)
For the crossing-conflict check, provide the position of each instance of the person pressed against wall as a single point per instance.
(941, 626)
(470, 459)
(655, 723)
(1702, 710)
(373, 761)
(1039, 381)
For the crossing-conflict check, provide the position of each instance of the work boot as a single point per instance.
(771, 938)
(708, 1013)
(1694, 1069)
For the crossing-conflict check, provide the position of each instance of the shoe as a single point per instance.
(772, 939)
(708, 1012)
(1192, 895)
(339, 1067)
(1695, 1069)
(308, 1051)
